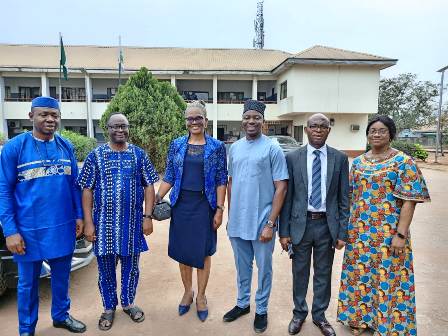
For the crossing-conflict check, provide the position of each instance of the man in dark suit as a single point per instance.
(314, 220)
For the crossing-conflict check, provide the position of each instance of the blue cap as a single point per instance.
(45, 102)
(254, 105)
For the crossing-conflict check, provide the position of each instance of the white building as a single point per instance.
(342, 84)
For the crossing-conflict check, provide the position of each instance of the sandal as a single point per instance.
(133, 312)
(107, 317)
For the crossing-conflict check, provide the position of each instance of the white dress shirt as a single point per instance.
(323, 175)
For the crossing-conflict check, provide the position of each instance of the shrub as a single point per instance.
(83, 145)
(415, 150)
(155, 112)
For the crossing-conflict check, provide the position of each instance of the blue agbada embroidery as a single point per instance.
(215, 167)
(118, 180)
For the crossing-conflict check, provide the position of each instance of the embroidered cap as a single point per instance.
(254, 105)
(45, 102)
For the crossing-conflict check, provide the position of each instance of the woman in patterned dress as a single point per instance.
(377, 288)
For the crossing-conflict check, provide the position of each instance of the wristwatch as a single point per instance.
(270, 224)
(221, 207)
(400, 235)
(148, 216)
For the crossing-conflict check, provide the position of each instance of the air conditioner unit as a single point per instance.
(354, 127)
(13, 124)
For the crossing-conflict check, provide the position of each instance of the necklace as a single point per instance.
(46, 162)
(375, 158)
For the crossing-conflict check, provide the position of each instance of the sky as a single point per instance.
(413, 31)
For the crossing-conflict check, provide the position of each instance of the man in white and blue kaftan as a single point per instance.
(116, 179)
(41, 214)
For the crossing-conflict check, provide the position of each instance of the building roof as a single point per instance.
(167, 59)
(319, 52)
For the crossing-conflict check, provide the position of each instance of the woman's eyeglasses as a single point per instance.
(191, 120)
(380, 131)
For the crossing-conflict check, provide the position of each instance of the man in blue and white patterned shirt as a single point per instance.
(116, 179)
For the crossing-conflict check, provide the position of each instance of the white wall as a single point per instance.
(236, 86)
(71, 83)
(332, 89)
(15, 82)
(195, 85)
(341, 137)
(99, 86)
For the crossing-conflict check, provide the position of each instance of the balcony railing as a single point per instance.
(18, 99)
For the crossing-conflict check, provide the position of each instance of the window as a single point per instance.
(261, 96)
(283, 90)
(28, 93)
(73, 94)
(228, 97)
(196, 95)
(111, 92)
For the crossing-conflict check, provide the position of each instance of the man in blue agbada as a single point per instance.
(41, 214)
(116, 179)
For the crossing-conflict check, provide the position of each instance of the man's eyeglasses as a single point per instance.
(123, 127)
(380, 131)
(314, 127)
(191, 120)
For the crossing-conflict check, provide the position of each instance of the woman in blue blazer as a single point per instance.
(196, 173)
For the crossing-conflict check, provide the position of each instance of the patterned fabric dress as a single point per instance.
(118, 180)
(377, 289)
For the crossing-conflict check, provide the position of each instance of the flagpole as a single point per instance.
(60, 69)
(119, 60)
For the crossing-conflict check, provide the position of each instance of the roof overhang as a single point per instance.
(132, 71)
(382, 64)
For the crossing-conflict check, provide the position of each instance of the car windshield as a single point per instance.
(285, 141)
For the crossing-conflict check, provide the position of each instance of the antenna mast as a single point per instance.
(258, 41)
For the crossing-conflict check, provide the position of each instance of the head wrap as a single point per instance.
(45, 102)
(254, 105)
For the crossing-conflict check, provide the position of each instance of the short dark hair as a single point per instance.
(388, 122)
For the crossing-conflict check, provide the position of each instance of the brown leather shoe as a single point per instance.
(295, 326)
(325, 328)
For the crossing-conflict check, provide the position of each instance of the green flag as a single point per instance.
(62, 60)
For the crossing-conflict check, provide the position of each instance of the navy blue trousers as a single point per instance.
(107, 279)
(28, 291)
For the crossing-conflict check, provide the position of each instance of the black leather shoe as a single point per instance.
(27, 334)
(71, 325)
(260, 323)
(235, 313)
(295, 326)
(325, 328)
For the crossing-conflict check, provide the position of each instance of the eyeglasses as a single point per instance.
(314, 127)
(123, 127)
(191, 120)
(380, 131)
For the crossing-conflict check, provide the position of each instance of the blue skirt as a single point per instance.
(191, 237)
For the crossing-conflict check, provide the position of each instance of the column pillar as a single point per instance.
(88, 85)
(215, 106)
(173, 80)
(3, 121)
(254, 87)
(45, 85)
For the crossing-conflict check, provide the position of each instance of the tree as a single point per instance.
(409, 102)
(154, 110)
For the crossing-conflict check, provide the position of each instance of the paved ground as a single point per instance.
(160, 287)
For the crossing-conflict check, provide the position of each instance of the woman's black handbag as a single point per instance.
(162, 210)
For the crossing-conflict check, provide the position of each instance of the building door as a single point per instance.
(221, 133)
(298, 133)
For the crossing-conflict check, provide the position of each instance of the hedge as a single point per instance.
(83, 145)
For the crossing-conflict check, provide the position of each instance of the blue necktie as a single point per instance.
(316, 195)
